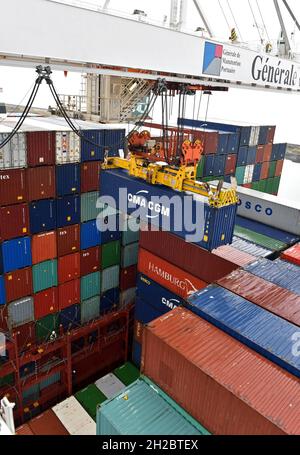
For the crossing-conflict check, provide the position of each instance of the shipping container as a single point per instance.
(88, 204)
(68, 240)
(90, 260)
(260, 228)
(219, 165)
(43, 247)
(13, 154)
(242, 156)
(68, 210)
(45, 302)
(67, 179)
(40, 182)
(230, 164)
(93, 145)
(256, 172)
(13, 187)
(68, 267)
(24, 430)
(262, 331)
(15, 254)
(154, 413)
(20, 312)
(267, 152)
(209, 165)
(90, 309)
(127, 373)
(128, 277)
(209, 140)
(218, 370)
(130, 228)
(250, 248)
(145, 313)
(272, 169)
(42, 216)
(28, 369)
(14, 221)
(137, 353)
(40, 148)
(2, 292)
(108, 224)
(110, 278)
(292, 254)
(24, 335)
(279, 168)
(30, 395)
(90, 398)
(129, 255)
(90, 173)
(68, 294)
(240, 174)
(89, 235)
(110, 254)
(90, 285)
(223, 143)
(259, 158)
(67, 147)
(69, 318)
(127, 297)
(47, 424)
(74, 418)
(115, 141)
(251, 155)
(44, 275)
(47, 328)
(18, 284)
(109, 300)
(109, 385)
(264, 170)
(260, 239)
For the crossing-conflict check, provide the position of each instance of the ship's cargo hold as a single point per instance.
(43, 247)
(260, 239)
(50, 380)
(89, 235)
(28, 369)
(18, 284)
(214, 226)
(68, 240)
(67, 179)
(68, 210)
(30, 394)
(90, 172)
(68, 268)
(90, 309)
(13, 154)
(250, 248)
(24, 335)
(127, 373)
(40, 148)
(157, 296)
(128, 277)
(90, 285)
(42, 216)
(14, 221)
(47, 328)
(45, 302)
(273, 298)
(262, 331)
(129, 255)
(110, 278)
(127, 297)
(90, 260)
(90, 398)
(292, 254)
(20, 312)
(195, 260)
(114, 141)
(41, 182)
(2, 291)
(13, 187)
(88, 204)
(74, 418)
(15, 254)
(168, 275)
(110, 254)
(89, 147)
(68, 294)
(130, 228)
(44, 275)
(47, 424)
(109, 300)
(109, 385)
(67, 147)
(260, 228)
(69, 318)
(154, 413)
(223, 401)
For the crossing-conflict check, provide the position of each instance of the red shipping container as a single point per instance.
(210, 140)
(14, 221)
(43, 247)
(68, 294)
(45, 302)
(264, 171)
(190, 257)
(128, 277)
(47, 424)
(230, 164)
(247, 185)
(68, 240)
(292, 254)
(271, 134)
(68, 268)
(18, 284)
(41, 148)
(41, 183)
(168, 275)
(13, 186)
(279, 167)
(231, 254)
(90, 260)
(260, 154)
(25, 336)
(90, 173)
(267, 152)
(3, 318)
(222, 383)
(24, 430)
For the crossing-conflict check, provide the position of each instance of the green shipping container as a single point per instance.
(272, 169)
(90, 398)
(130, 255)
(276, 185)
(111, 254)
(200, 169)
(89, 210)
(130, 228)
(110, 278)
(262, 185)
(90, 309)
(240, 174)
(90, 285)
(127, 373)
(259, 239)
(255, 186)
(269, 186)
(44, 275)
(7, 380)
(45, 326)
(31, 394)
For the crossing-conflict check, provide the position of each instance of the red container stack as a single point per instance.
(18, 284)
(68, 240)
(43, 247)
(13, 187)
(41, 148)
(41, 183)
(90, 260)
(68, 268)
(68, 294)
(90, 173)
(14, 221)
(45, 302)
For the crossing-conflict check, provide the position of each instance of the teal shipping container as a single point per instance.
(90, 285)
(44, 275)
(88, 206)
(130, 228)
(90, 309)
(144, 409)
(129, 255)
(110, 278)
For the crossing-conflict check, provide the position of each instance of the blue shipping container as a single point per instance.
(69, 317)
(251, 155)
(242, 156)
(42, 216)
(272, 232)
(214, 227)
(219, 165)
(250, 248)
(263, 135)
(2, 291)
(114, 141)
(67, 179)
(137, 353)
(89, 235)
(89, 150)
(256, 172)
(209, 165)
(222, 143)
(144, 312)
(233, 143)
(266, 333)
(68, 210)
(15, 254)
(109, 299)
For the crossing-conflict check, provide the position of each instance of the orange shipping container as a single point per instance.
(43, 247)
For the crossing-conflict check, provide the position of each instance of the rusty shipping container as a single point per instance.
(47, 424)
(292, 254)
(13, 187)
(18, 284)
(14, 221)
(41, 183)
(68, 268)
(90, 173)
(168, 275)
(188, 256)
(68, 294)
(25, 336)
(68, 240)
(43, 247)
(233, 255)
(90, 260)
(45, 302)
(222, 383)
(40, 148)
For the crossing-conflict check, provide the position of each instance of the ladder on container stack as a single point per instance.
(132, 93)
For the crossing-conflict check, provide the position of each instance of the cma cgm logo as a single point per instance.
(212, 60)
(140, 200)
(172, 303)
(256, 207)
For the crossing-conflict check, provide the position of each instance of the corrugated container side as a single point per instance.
(89, 149)
(42, 216)
(68, 268)
(89, 235)
(127, 297)
(46, 326)
(260, 228)
(68, 210)
(18, 284)
(250, 248)
(115, 141)
(45, 302)
(129, 255)
(90, 285)
(50, 380)
(260, 239)
(68, 240)
(90, 260)
(40, 182)
(13, 187)
(2, 292)
(47, 424)
(68, 294)
(20, 312)
(90, 173)
(67, 179)
(130, 228)
(40, 148)
(43, 247)
(15, 254)
(74, 418)
(14, 221)
(110, 278)
(69, 318)
(67, 148)
(88, 204)
(25, 336)
(90, 309)
(292, 254)
(128, 277)
(44, 275)
(110, 254)
(13, 154)
(109, 300)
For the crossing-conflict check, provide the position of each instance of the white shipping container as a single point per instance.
(254, 136)
(67, 147)
(249, 173)
(110, 385)
(74, 418)
(14, 154)
(20, 312)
